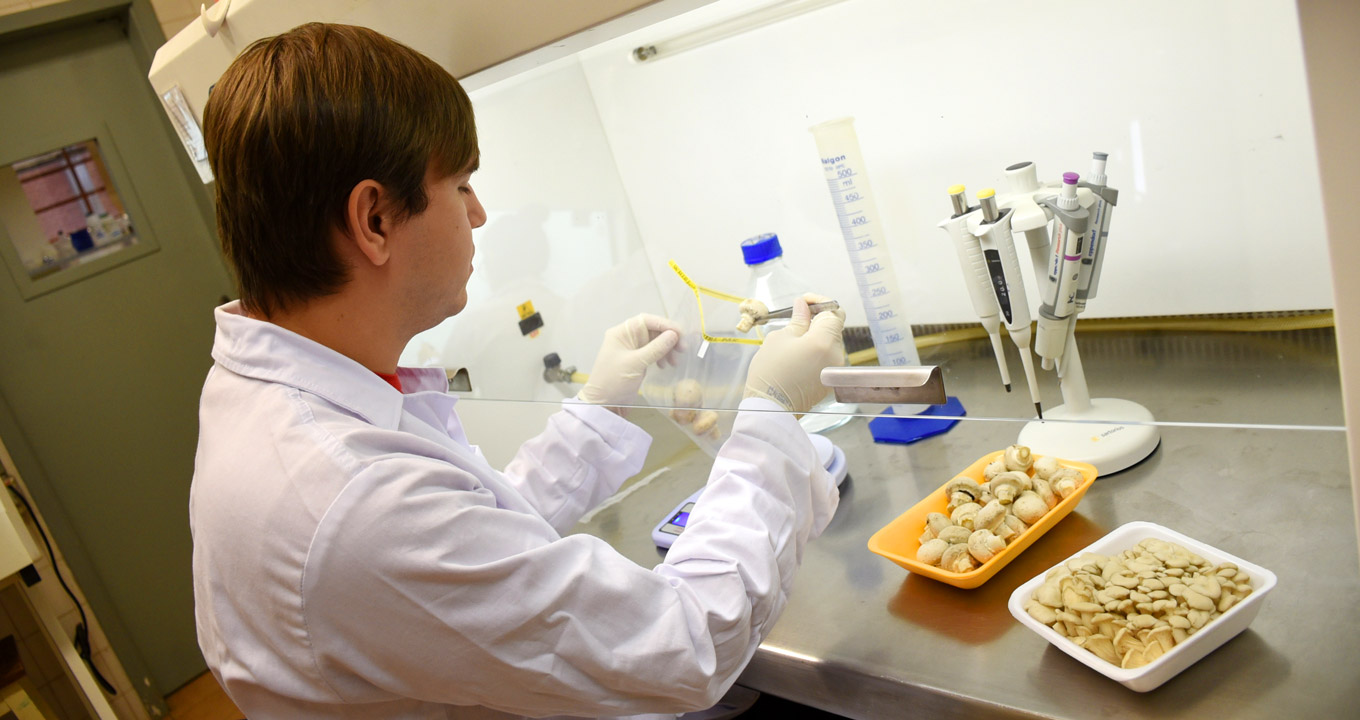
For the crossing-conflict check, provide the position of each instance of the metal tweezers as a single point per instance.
(788, 311)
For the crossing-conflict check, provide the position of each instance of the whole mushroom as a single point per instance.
(1006, 486)
(1018, 457)
(961, 491)
(1045, 492)
(1046, 466)
(932, 551)
(992, 515)
(1029, 507)
(957, 559)
(955, 534)
(705, 421)
(983, 545)
(966, 515)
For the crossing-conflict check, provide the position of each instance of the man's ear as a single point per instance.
(369, 221)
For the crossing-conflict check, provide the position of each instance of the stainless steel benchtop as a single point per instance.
(863, 638)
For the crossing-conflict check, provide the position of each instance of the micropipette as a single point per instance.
(1062, 276)
(992, 228)
(848, 182)
(975, 276)
(1099, 231)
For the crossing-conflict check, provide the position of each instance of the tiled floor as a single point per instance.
(202, 699)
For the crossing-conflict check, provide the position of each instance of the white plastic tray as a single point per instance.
(1220, 630)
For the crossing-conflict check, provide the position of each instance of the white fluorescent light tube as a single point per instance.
(651, 52)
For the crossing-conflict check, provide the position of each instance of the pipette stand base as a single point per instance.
(934, 420)
(1110, 447)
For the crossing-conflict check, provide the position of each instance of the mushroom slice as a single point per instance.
(1161, 637)
(1103, 647)
(1198, 601)
(1133, 658)
(1207, 587)
(1041, 612)
(1106, 624)
(1049, 594)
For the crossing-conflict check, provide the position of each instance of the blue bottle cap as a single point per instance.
(761, 248)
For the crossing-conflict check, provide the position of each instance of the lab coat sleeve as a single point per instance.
(766, 497)
(582, 457)
(419, 585)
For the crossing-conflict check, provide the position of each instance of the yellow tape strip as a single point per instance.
(703, 330)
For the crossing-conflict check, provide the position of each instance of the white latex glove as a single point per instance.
(628, 350)
(787, 369)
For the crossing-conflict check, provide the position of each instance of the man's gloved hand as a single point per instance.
(788, 367)
(628, 350)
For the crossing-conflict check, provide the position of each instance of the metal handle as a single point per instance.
(914, 385)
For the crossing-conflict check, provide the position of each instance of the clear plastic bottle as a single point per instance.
(775, 285)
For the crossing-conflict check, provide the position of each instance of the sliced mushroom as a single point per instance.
(1103, 647)
(1041, 612)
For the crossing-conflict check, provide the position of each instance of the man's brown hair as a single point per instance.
(296, 122)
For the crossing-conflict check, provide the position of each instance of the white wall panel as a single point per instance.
(1202, 107)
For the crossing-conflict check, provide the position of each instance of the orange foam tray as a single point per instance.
(900, 539)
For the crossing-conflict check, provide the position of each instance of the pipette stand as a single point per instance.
(1080, 430)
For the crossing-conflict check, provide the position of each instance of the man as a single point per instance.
(354, 556)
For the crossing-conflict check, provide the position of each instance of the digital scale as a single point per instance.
(831, 457)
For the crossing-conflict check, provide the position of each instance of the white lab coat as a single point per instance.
(355, 557)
